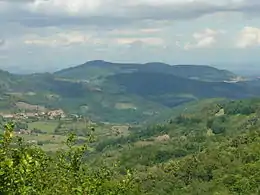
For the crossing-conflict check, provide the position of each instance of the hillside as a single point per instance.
(211, 149)
(76, 98)
(98, 69)
(196, 72)
(171, 90)
(122, 93)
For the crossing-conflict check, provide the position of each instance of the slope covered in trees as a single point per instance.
(173, 90)
(213, 150)
(99, 68)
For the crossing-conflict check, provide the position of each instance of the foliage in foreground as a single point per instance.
(212, 152)
(26, 169)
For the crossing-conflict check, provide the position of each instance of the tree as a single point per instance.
(29, 170)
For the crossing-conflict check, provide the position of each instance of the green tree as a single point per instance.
(25, 169)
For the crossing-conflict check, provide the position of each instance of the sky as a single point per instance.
(46, 35)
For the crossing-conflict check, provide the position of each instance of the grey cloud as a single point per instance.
(185, 11)
(2, 42)
(133, 14)
(41, 21)
(191, 10)
(18, 1)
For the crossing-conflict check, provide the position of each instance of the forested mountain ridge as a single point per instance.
(165, 88)
(100, 68)
(122, 93)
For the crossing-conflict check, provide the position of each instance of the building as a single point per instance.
(8, 116)
(56, 113)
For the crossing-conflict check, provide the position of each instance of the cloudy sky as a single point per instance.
(52, 34)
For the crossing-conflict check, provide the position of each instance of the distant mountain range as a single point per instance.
(99, 68)
(123, 92)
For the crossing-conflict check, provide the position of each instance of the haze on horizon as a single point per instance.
(45, 35)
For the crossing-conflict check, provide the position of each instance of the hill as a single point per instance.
(196, 72)
(171, 90)
(212, 149)
(98, 69)
(76, 98)
(123, 93)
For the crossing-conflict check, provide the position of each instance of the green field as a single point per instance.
(54, 133)
(45, 126)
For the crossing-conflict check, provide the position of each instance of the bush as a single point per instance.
(239, 107)
(26, 169)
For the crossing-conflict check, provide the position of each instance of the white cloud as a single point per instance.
(71, 7)
(130, 32)
(117, 37)
(248, 37)
(146, 40)
(205, 39)
(57, 40)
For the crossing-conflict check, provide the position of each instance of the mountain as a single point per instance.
(6, 80)
(75, 97)
(124, 93)
(172, 90)
(198, 72)
(160, 83)
(98, 68)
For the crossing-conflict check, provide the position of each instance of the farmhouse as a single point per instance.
(24, 131)
(56, 113)
(31, 115)
(8, 116)
(163, 138)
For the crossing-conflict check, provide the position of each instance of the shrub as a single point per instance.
(26, 170)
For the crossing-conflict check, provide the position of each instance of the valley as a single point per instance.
(122, 93)
(204, 143)
(142, 97)
(130, 130)
(46, 107)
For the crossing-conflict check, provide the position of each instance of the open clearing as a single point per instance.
(123, 106)
(26, 106)
(46, 126)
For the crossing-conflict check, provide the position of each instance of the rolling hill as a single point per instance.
(98, 68)
(213, 149)
(171, 90)
(122, 92)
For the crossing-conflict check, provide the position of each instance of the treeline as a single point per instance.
(208, 118)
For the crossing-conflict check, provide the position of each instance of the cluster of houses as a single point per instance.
(25, 115)
(25, 131)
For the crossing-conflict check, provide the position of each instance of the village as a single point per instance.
(53, 114)
(38, 116)
(48, 127)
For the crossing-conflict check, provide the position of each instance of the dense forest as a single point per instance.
(213, 150)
